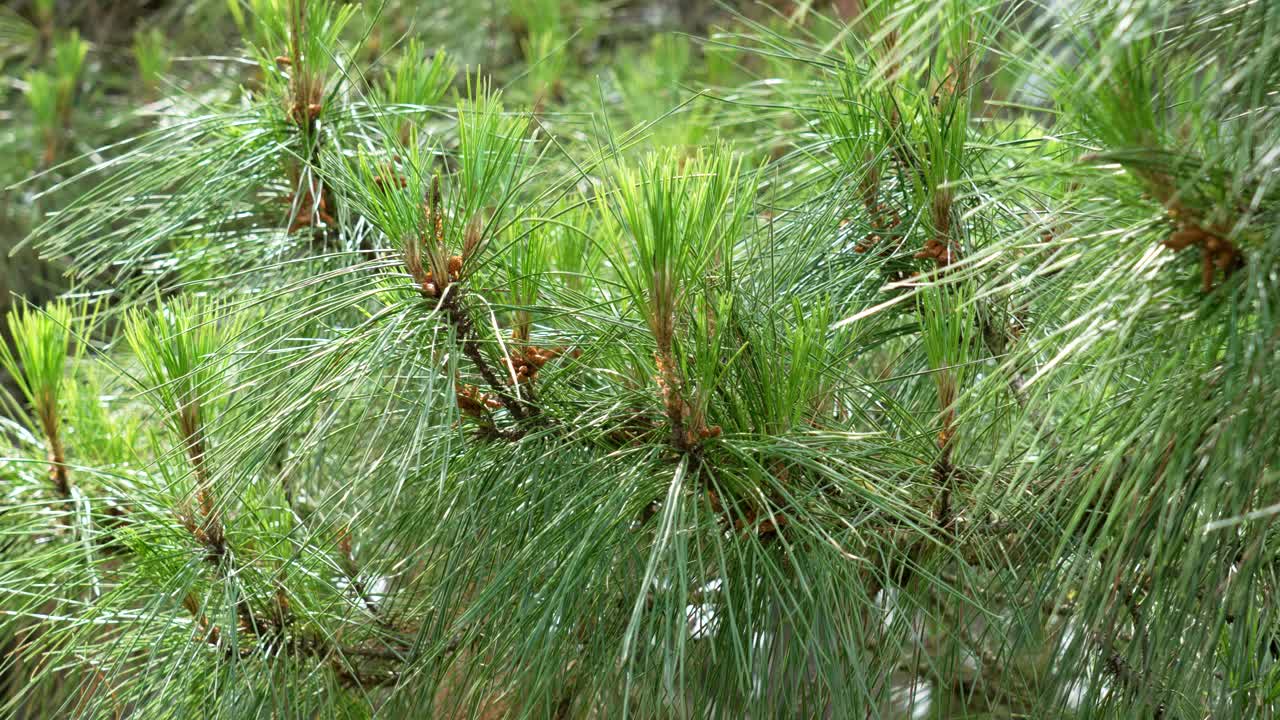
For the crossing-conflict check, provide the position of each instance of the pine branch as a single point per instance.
(464, 331)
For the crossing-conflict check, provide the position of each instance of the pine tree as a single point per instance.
(927, 365)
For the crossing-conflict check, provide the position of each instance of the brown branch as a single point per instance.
(50, 424)
(58, 473)
(688, 427)
(440, 282)
(209, 530)
(670, 391)
(1216, 251)
(270, 640)
(464, 330)
(269, 633)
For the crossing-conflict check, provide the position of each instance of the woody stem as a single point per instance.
(464, 329)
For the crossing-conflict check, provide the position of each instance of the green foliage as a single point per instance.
(413, 81)
(936, 385)
(43, 96)
(178, 347)
(680, 225)
(17, 35)
(650, 85)
(44, 341)
(546, 35)
(151, 56)
(51, 94)
(68, 59)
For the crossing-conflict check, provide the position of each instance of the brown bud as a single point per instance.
(473, 402)
(932, 250)
(715, 501)
(471, 240)
(1185, 237)
(282, 600)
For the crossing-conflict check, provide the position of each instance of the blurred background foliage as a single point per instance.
(82, 74)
